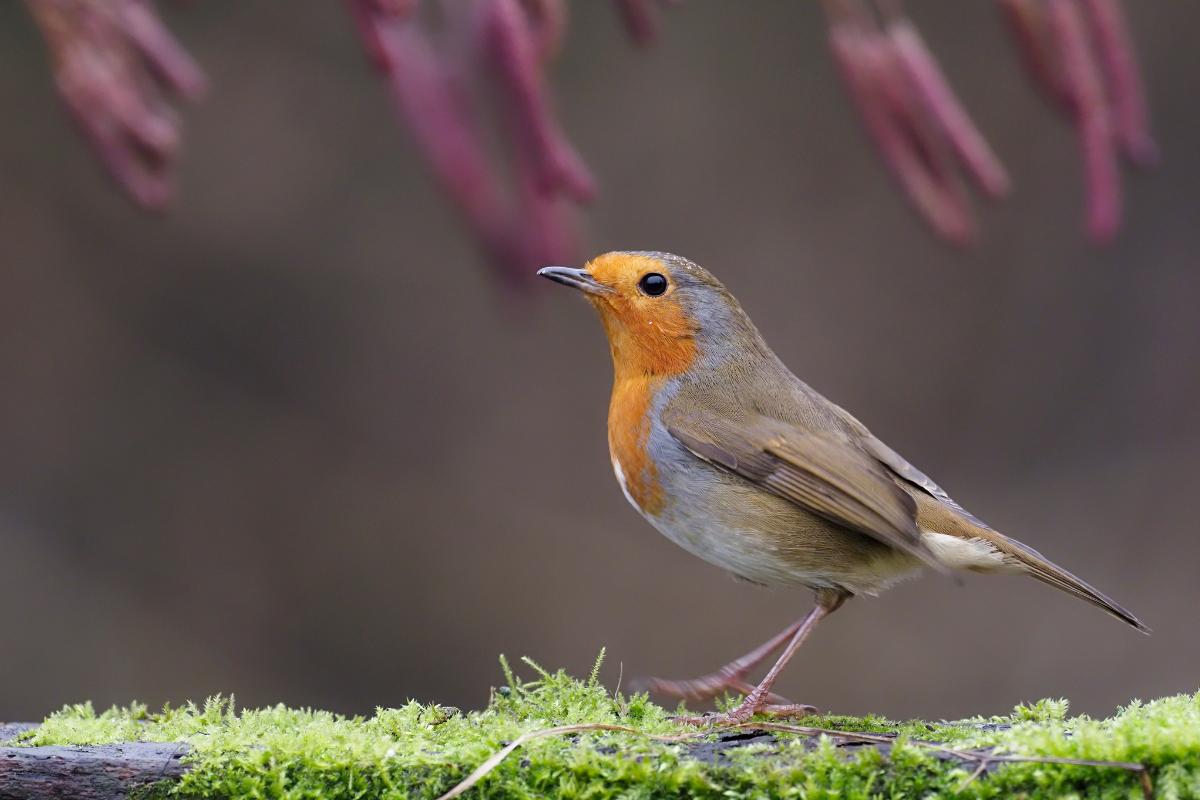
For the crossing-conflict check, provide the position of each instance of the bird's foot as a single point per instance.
(745, 711)
(705, 687)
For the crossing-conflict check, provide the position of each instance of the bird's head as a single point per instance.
(661, 312)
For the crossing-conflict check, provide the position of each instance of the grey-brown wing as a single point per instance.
(823, 473)
(900, 466)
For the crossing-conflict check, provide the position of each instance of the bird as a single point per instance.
(723, 450)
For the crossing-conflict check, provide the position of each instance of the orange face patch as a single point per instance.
(652, 339)
(648, 335)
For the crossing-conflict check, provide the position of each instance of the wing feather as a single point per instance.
(827, 474)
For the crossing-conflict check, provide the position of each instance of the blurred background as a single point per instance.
(292, 441)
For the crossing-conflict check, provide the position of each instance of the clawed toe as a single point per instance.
(744, 713)
(711, 719)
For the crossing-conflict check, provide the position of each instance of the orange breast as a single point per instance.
(628, 437)
(652, 339)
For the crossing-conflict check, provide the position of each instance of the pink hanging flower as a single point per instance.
(640, 20)
(548, 20)
(1078, 50)
(916, 121)
(115, 64)
(506, 41)
(521, 222)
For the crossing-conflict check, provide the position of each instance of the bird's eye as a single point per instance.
(653, 284)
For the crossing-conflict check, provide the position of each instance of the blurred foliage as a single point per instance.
(117, 66)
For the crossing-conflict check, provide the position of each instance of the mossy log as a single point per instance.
(557, 736)
(117, 771)
(95, 772)
(140, 769)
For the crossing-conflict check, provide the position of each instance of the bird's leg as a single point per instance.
(828, 601)
(729, 677)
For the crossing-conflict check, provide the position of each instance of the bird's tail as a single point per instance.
(1038, 566)
(1017, 557)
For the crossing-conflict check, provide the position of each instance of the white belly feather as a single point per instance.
(620, 473)
(744, 552)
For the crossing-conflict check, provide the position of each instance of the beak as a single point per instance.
(579, 279)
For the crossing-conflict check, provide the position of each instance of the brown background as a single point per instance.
(291, 442)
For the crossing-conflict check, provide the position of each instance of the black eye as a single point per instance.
(653, 284)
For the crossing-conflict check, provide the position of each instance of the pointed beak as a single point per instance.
(579, 279)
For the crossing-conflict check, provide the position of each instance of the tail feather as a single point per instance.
(1037, 566)
(936, 517)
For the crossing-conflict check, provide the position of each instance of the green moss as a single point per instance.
(422, 751)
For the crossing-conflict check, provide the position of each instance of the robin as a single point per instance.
(735, 459)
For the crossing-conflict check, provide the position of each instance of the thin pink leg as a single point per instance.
(729, 677)
(828, 601)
